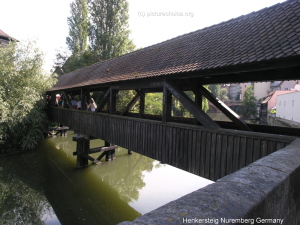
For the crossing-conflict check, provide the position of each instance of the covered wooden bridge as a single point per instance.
(260, 46)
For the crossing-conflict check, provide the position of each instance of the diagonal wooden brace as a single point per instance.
(103, 101)
(221, 106)
(198, 113)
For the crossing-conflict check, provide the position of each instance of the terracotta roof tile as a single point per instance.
(268, 34)
(5, 36)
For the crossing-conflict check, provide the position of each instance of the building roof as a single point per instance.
(274, 95)
(269, 34)
(5, 36)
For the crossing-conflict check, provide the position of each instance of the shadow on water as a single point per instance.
(44, 187)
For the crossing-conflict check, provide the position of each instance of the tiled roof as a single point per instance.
(268, 34)
(5, 36)
(274, 94)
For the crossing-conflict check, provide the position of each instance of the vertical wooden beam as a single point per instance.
(198, 101)
(82, 99)
(113, 101)
(82, 147)
(53, 99)
(106, 144)
(109, 154)
(198, 113)
(142, 102)
(167, 105)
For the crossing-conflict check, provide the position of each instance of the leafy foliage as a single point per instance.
(109, 32)
(220, 93)
(272, 111)
(105, 24)
(215, 89)
(22, 83)
(223, 94)
(249, 102)
(154, 103)
(123, 99)
(75, 61)
(78, 27)
(178, 108)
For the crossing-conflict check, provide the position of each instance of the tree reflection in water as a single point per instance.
(21, 197)
(104, 190)
(126, 177)
(34, 184)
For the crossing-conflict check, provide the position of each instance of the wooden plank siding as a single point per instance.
(210, 153)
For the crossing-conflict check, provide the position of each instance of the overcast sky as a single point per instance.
(151, 21)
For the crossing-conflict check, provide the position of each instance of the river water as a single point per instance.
(44, 187)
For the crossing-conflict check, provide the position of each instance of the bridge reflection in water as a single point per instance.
(114, 191)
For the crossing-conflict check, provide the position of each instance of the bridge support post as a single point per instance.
(110, 154)
(82, 148)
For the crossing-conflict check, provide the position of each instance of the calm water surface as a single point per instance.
(44, 187)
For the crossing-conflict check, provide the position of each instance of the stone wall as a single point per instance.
(276, 121)
(265, 192)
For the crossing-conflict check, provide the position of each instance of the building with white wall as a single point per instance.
(288, 106)
(285, 85)
(269, 103)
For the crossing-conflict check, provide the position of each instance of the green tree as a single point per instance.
(77, 40)
(22, 84)
(223, 94)
(178, 108)
(78, 27)
(215, 89)
(249, 102)
(123, 99)
(154, 103)
(220, 93)
(106, 28)
(75, 61)
(109, 28)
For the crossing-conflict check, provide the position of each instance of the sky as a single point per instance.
(150, 22)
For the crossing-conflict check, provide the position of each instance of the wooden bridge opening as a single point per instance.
(261, 46)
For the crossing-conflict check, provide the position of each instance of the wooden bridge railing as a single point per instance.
(210, 153)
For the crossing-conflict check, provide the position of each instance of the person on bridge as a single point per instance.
(74, 103)
(92, 106)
